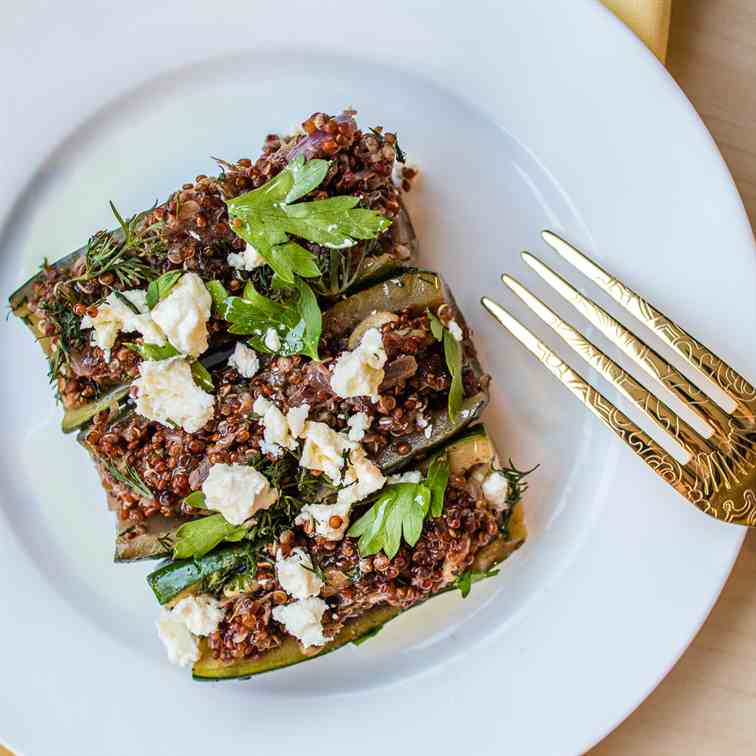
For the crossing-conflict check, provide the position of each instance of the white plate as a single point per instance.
(550, 115)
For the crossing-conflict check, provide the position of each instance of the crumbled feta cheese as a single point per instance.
(495, 489)
(297, 576)
(272, 340)
(237, 492)
(360, 372)
(184, 313)
(325, 517)
(201, 614)
(428, 432)
(114, 315)
(303, 619)
(358, 424)
(324, 450)
(180, 644)
(361, 478)
(397, 171)
(455, 330)
(244, 360)
(296, 417)
(276, 432)
(247, 260)
(168, 394)
(421, 421)
(412, 476)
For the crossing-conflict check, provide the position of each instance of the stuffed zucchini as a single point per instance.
(254, 606)
(397, 375)
(87, 309)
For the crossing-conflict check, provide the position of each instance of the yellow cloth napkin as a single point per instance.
(649, 19)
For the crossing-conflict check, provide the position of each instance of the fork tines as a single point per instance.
(720, 474)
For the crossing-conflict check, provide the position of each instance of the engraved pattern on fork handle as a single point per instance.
(719, 478)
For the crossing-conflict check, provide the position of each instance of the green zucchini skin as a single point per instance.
(174, 578)
(472, 449)
(415, 290)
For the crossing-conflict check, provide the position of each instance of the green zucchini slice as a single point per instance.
(471, 450)
(415, 291)
(373, 268)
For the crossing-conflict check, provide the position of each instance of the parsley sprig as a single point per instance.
(465, 581)
(400, 511)
(296, 320)
(453, 357)
(266, 217)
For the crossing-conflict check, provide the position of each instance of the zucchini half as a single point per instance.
(471, 450)
(373, 268)
(416, 291)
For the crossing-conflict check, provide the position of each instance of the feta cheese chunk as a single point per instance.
(358, 424)
(247, 260)
(237, 492)
(296, 417)
(360, 372)
(297, 576)
(411, 476)
(330, 520)
(114, 315)
(184, 313)
(180, 644)
(303, 619)
(201, 614)
(455, 330)
(276, 432)
(272, 340)
(168, 394)
(324, 450)
(244, 360)
(496, 488)
(361, 478)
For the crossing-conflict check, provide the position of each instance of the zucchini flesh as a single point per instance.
(416, 291)
(473, 449)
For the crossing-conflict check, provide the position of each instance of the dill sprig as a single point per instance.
(68, 337)
(129, 477)
(122, 252)
(517, 485)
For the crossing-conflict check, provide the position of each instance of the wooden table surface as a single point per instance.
(707, 704)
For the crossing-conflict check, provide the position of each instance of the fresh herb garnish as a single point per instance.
(129, 477)
(266, 218)
(465, 581)
(297, 321)
(517, 485)
(69, 336)
(195, 499)
(202, 377)
(368, 635)
(399, 512)
(122, 257)
(161, 287)
(453, 357)
(126, 301)
(197, 537)
(152, 351)
(219, 295)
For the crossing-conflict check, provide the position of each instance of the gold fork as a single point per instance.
(720, 474)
